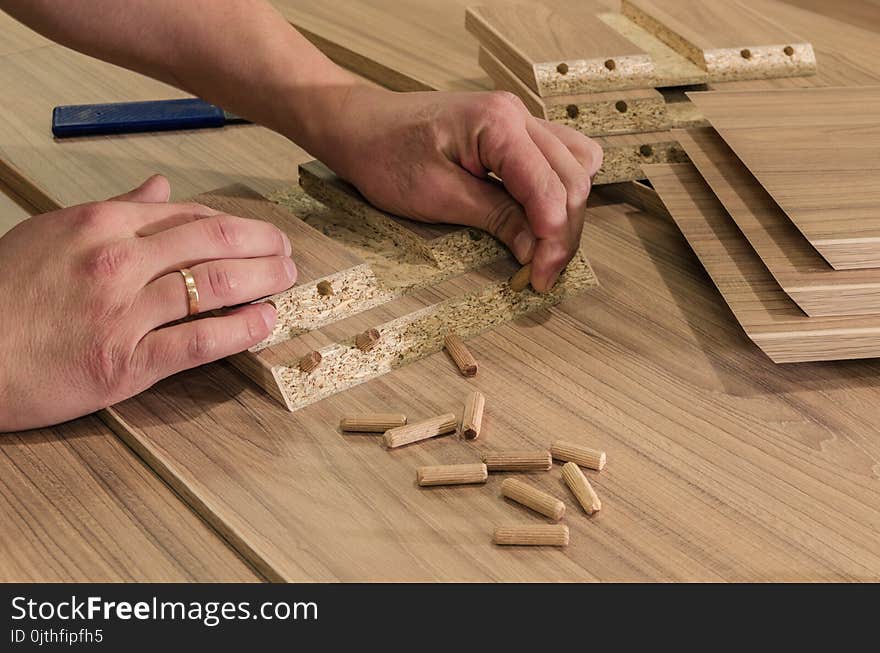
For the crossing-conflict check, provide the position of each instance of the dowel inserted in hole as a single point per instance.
(309, 362)
(367, 340)
(325, 288)
(520, 280)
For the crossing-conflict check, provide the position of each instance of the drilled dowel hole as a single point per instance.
(610, 65)
(788, 50)
(745, 53)
(562, 68)
(646, 150)
(572, 111)
(621, 106)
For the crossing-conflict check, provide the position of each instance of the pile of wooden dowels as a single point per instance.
(399, 432)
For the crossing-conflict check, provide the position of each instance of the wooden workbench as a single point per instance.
(722, 466)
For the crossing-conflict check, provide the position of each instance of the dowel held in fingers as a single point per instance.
(579, 454)
(520, 280)
(429, 428)
(533, 498)
(460, 354)
(518, 461)
(581, 489)
(532, 535)
(452, 474)
(472, 417)
(372, 422)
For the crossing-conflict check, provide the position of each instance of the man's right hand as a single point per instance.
(86, 294)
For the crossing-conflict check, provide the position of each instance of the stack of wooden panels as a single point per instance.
(781, 203)
(624, 73)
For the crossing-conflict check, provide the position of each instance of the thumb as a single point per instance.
(485, 204)
(155, 190)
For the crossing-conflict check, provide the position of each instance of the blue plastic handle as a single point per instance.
(132, 117)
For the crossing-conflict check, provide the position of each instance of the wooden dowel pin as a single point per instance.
(581, 489)
(472, 417)
(367, 340)
(533, 498)
(517, 461)
(309, 362)
(325, 288)
(372, 422)
(579, 454)
(452, 474)
(460, 354)
(532, 535)
(429, 428)
(520, 280)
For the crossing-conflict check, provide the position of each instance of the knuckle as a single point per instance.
(221, 281)
(255, 328)
(107, 364)
(578, 189)
(202, 345)
(226, 231)
(92, 215)
(504, 103)
(501, 216)
(108, 260)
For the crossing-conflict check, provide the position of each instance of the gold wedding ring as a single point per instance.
(192, 291)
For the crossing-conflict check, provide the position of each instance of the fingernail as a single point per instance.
(288, 248)
(289, 267)
(269, 314)
(523, 245)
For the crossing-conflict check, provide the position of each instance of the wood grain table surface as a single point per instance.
(722, 465)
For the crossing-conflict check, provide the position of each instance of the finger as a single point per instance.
(155, 190)
(221, 283)
(164, 352)
(218, 237)
(516, 159)
(552, 254)
(485, 205)
(587, 151)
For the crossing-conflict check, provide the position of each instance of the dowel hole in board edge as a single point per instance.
(788, 50)
(646, 150)
(562, 68)
(745, 53)
(621, 106)
(610, 65)
(572, 111)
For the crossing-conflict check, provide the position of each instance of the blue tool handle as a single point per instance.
(132, 117)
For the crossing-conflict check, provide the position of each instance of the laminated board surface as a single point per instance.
(729, 39)
(769, 317)
(559, 48)
(817, 152)
(802, 273)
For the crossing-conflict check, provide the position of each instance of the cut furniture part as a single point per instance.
(420, 333)
(559, 48)
(768, 316)
(797, 267)
(625, 154)
(601, 114)
(729, 39)
(817, 153)
(410, 324)
(595, 114)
